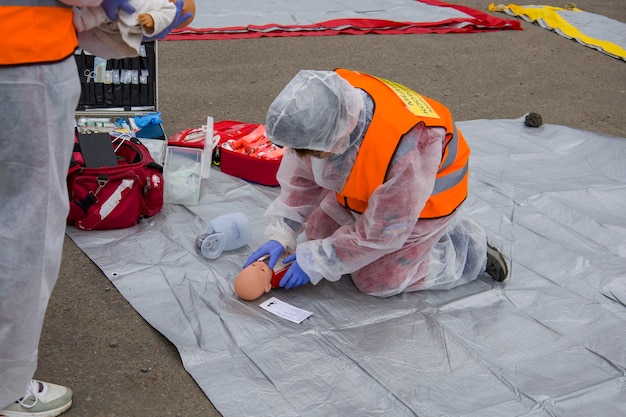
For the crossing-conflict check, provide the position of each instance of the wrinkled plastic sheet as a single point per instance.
(550, 341)
(223, 19)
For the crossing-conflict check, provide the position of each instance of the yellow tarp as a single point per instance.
(596, 31)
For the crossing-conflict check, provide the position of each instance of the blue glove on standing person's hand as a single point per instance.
(178, 19)
(272, 248)
(111, 8)
(295, 276)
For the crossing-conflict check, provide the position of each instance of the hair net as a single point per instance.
(317, 110)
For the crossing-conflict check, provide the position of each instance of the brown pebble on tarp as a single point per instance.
(533, 120)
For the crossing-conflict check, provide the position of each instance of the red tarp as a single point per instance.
(476, 21)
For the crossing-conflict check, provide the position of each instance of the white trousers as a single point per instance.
(37, 105)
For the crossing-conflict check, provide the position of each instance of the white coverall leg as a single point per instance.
(37, 104)
(456, 258)
(443, 254)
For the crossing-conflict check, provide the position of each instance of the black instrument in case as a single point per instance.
(127, 84)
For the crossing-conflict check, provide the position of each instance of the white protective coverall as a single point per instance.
(387, 249)
(37, 108)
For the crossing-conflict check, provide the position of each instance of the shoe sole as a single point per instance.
(499, 259)
(47, 413)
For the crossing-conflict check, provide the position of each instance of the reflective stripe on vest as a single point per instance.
(397, 110)
(35, 31)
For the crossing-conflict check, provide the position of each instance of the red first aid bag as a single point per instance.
(114, 197)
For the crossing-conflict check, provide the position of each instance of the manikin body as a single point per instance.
(123, 37)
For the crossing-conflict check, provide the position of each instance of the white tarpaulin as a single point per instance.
(221, 19)
(550, 341)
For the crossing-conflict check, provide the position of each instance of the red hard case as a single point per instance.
(249, 168)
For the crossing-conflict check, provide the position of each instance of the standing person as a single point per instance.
(373, 175)
(39, 91)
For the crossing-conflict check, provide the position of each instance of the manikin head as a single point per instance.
(146, 20)
(253, 281)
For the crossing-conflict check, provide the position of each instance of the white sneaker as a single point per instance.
(42, 399)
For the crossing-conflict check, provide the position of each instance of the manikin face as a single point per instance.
(253, 281)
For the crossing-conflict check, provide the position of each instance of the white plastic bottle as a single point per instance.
(226, 232)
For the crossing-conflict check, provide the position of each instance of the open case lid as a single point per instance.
(120, 85)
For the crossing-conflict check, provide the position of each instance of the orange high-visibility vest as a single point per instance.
(397, 109)
(35, 31)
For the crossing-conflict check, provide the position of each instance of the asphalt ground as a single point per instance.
(116, 363)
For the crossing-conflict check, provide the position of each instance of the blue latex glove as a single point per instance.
(295, 276)
(178, 19)
(148, 119)
(111, 8)
(272, 248)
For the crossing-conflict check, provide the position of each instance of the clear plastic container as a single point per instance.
(182, 175)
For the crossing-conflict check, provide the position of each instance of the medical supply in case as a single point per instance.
(245, 152)
(191, 138)
(128, 84)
